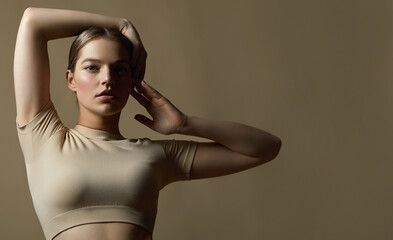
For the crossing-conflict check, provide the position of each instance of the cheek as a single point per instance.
(125, 83)
(85, 84)
(129, 84)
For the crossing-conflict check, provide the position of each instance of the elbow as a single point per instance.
(277, 148)
(29, 15)
(272, 151)
(31, 19)
(32, 23)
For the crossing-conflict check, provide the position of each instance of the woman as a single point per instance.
(90, 182)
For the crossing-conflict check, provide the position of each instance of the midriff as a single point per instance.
(105, 231)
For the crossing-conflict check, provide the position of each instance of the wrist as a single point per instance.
(186, 127)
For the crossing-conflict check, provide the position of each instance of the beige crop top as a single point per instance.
(82, 175)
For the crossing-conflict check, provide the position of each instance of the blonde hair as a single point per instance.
(93, 33)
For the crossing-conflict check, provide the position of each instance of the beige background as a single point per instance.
(317, 73)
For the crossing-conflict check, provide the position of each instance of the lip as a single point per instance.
(106, 95)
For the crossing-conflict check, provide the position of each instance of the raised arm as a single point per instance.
(31, 63)
(235, 146)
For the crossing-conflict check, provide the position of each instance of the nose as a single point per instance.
(107, 77)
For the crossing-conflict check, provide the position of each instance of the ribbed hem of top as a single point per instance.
(96, 214)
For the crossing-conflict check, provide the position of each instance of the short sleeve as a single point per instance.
(180, 154)
(34, 134)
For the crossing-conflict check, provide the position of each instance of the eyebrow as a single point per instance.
(99, 61)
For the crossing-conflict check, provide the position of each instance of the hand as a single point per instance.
(167, 119)
(139, 54)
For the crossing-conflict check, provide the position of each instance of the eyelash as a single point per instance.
(91, 68)
(120, 69)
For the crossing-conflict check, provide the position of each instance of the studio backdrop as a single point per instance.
(316, 73)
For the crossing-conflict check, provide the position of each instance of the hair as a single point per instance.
(93, 33)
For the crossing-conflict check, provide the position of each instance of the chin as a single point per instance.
(103, 109)
(109, 110)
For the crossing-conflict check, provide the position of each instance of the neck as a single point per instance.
(95, 121)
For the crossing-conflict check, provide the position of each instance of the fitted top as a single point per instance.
(83, 175)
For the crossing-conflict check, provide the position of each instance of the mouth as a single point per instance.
(106, 95)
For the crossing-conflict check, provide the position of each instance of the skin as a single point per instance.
(104, 65)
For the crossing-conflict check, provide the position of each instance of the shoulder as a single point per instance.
(46, 119)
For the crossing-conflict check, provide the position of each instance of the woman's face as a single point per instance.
(102, 77)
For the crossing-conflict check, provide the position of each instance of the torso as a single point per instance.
(105, 231)
(91, 184)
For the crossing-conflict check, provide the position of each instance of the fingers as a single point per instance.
(141, 99)
(145, 93)
(130, 32)
(139, 54)
(144, 120)
(147, 90)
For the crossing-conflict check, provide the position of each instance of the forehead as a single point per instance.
(103, 49)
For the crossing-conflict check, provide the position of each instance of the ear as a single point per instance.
(70, 81)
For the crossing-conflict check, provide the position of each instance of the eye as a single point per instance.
(121, 69)
(91, 68)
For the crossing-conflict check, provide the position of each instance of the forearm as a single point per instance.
(238, 137)
(31, 62)
(55, 23)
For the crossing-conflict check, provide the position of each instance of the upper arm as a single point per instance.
(31, 69)
(213, 160)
